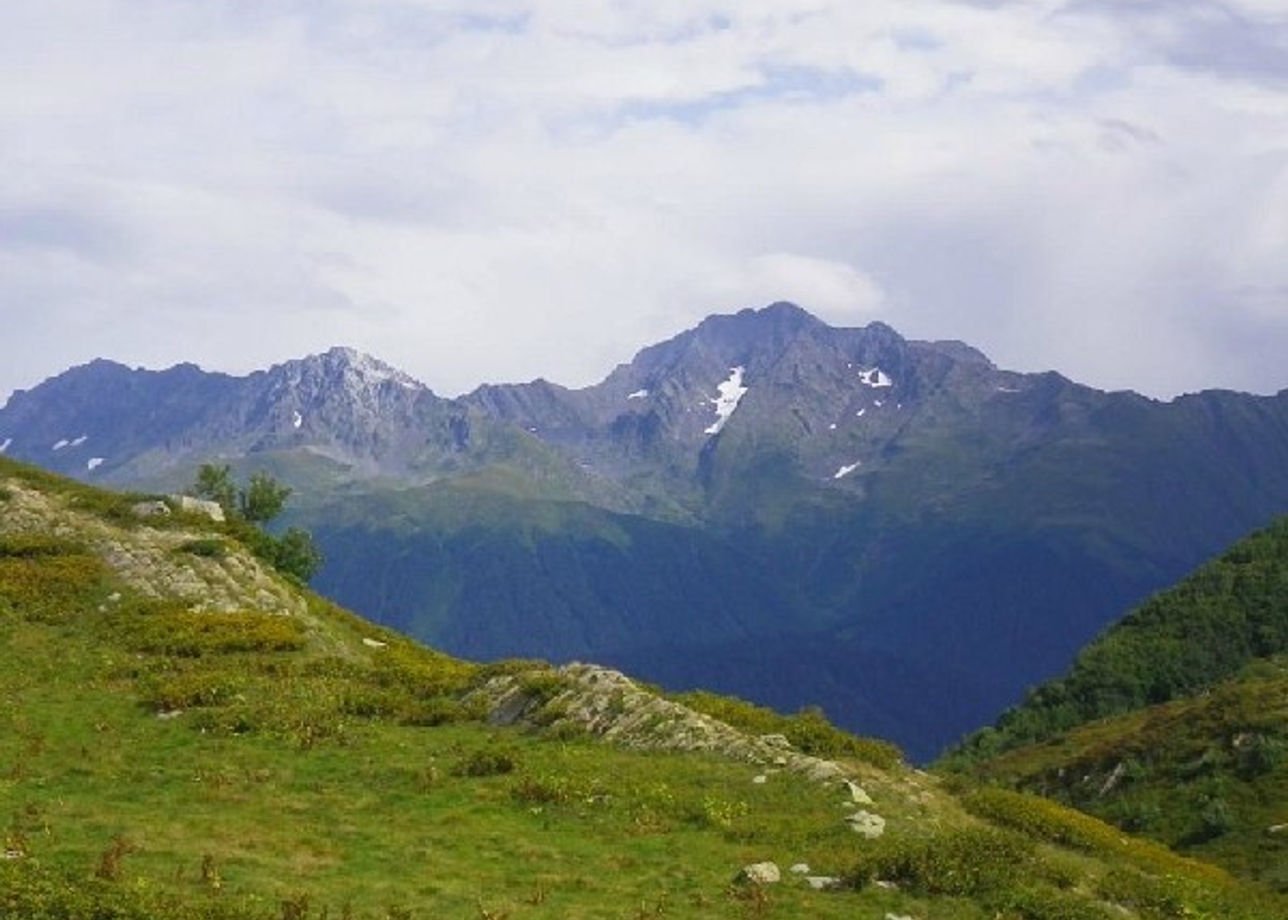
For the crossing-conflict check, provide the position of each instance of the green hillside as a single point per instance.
(1207, 774)
(1174, 723)
(1182, 641)
(188, 735)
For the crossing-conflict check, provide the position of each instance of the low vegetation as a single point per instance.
(1179, 643)
(808, 731)
(1174, 724)
(161, 763)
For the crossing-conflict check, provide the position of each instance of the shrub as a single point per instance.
(436, 711)
(32, 546)
(49, 584)
(109, 861)
(969, 862)
(421, 672)
(191, 689)
(206, 547)
(1033, 903)
(161, 628)
(1054, 823)
(1149, 896)
(543, 685)
(494, 760)
(543, 790)
(809, 730)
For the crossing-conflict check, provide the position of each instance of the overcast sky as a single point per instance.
(490, 190)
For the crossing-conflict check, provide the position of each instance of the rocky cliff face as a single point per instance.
(107, 423)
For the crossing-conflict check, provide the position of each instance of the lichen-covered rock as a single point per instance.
(609, 704)
(210, 509)
(867, 824)
(151, 560)
(761, 873)
(858, 795)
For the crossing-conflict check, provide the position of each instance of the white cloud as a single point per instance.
(835, 291)
(499, 190)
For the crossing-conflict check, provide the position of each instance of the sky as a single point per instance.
(486, 190)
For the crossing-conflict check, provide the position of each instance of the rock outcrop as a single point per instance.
(608, 704)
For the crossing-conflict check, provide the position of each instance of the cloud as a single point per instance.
(503, 189)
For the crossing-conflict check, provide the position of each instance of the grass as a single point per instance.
(808, 730)
(440, 820)
(1207, 775)
(163, 764)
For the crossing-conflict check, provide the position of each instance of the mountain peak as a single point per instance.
(784, 310)
(780, 315)
(355, 365)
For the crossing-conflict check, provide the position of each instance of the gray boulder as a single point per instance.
(761, 873)
(867, 824)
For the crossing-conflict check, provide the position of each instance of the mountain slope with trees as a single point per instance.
(1174, 723)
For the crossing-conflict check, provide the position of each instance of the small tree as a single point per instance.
(296, 554)
(251, 507)
(215, 483)
(263, 498)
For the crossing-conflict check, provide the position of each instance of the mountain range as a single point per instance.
(898, 531)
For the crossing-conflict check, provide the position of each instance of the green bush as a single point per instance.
(544, 790)
(437, 711)
(49, 583)
(969, 862)
(191, 689)
(206, 547)
(1151, 897)
(809, 730)
(543, 685)
(33, 546)
(162, 628)
(494, 760)
(422, 673)
(1033, 903)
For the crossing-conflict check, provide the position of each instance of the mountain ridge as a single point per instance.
(821, 495)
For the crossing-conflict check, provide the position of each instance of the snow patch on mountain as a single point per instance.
(60, 444)
(5, 446)
(638, 394)
(79, 441)
(296, 419)
(875, 378)
(93, 463)
(729, 394)
(846, 469)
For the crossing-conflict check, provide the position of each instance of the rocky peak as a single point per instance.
(752, 336)
(346, 368)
